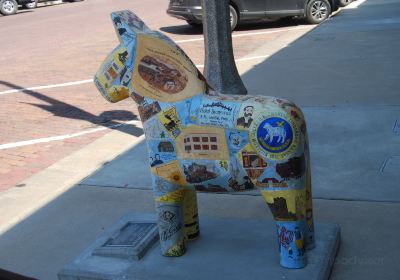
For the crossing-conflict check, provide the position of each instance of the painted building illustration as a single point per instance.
(253, 164)
(162, 75)
(166, 146)
(196, 173)
(272, 183)
(201, 142)
(280, 210)
(146, 111)
(113, 70)
(292, 169)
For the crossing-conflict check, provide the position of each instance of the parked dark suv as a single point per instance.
(315, 11)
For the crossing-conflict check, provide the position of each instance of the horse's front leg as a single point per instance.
(291, 230)
(290, 199)
(169, 201)
(309, 236)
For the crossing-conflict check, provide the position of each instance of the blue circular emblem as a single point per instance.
(275, 135)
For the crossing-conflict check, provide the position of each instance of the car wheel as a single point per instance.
(8, 7)
(344, 3)
(31, 5)
(233, 17)
(318, 11)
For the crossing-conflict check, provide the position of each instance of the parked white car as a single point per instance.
(35, 2)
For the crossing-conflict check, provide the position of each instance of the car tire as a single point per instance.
(344, 3)
(8, 7)
(31, 5)
(193, 23)
(234, 19)
(317, 11)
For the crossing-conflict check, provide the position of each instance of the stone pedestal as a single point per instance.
(228, 248)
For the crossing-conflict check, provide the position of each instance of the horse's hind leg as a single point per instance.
(191, 216)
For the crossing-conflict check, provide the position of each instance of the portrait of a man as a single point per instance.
(246, 120)
(157, 160)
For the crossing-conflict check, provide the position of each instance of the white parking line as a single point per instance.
(47, 86)
(62, 137)
(354, 4)
(241, 59)
(189, 40)
(245, 34)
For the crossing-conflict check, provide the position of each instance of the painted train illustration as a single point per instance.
(201, 140)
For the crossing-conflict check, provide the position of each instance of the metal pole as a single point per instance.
(219, 66)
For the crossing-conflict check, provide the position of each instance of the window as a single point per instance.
(115, 66)
(112, 73)
(200, 142)
(107, 76)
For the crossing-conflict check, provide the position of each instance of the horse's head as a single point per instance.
(147, 63)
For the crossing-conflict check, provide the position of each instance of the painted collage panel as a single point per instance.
(161, 151)
(206, 175)
(114, 76)
(291, 244)
(208, 112)
(199, 142)
(162, 73)
(286, 205)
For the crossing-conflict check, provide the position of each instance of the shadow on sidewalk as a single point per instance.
(109, 119)
(8, 275)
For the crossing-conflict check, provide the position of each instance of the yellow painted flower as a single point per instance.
(176, 177)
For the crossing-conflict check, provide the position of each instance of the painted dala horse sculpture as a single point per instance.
(201, 140)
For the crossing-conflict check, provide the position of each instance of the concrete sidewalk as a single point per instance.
(344, 73)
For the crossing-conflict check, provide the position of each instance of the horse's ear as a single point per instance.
(113, 79)
(127, 25)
